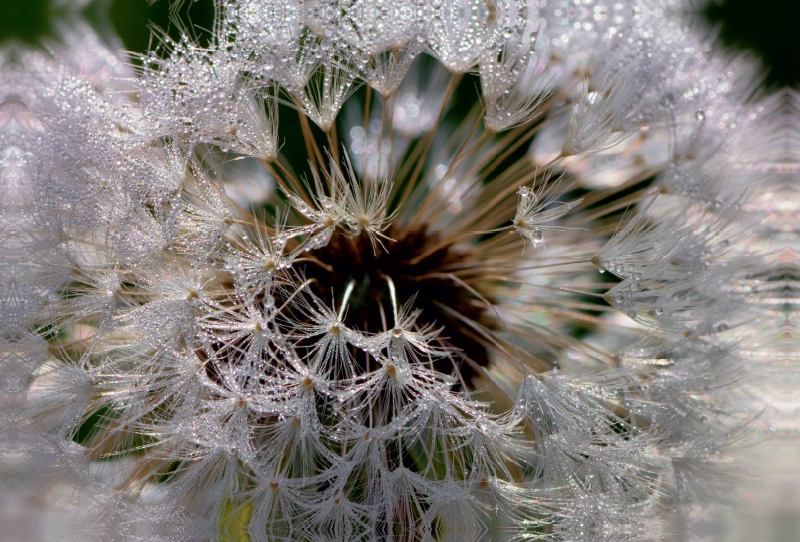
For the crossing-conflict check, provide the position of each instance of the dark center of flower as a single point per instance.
(441, 300)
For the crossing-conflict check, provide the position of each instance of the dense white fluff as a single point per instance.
(368, 352)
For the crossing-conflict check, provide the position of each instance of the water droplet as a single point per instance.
(700, 115)
(525, 192)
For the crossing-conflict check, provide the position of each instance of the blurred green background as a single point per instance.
(768, 28)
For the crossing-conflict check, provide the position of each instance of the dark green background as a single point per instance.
(770, 28)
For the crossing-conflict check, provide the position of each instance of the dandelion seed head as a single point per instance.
(373, 353)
